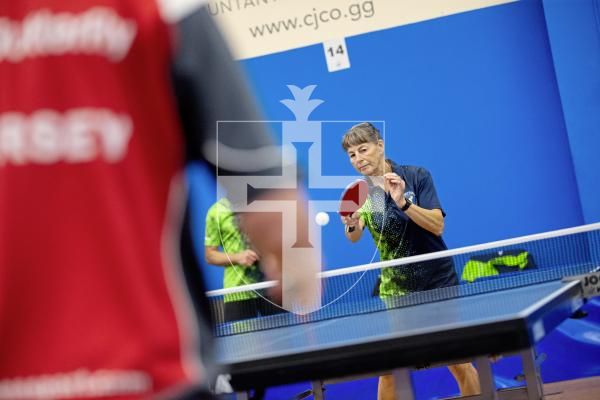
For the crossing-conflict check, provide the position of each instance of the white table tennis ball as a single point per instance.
(322, 218)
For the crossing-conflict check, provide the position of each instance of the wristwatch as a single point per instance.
(407, 204)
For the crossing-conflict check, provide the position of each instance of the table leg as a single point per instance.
(317, 390)
(532, 375)
(486, 378)
(242, 396)
(403, 384)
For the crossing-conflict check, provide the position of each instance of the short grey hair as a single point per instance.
(361, 133)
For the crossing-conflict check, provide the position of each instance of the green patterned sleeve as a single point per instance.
(365, 214)
(212, 237)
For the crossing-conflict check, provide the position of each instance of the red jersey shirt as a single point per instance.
(101, 105)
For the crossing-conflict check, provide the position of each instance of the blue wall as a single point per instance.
(472, 97)
(502, 105)
(574, 31)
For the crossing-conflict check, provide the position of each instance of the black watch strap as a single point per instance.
(407, 204)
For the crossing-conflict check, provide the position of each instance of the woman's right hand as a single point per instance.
(351, 220)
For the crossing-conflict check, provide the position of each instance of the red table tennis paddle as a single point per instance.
(354, 197)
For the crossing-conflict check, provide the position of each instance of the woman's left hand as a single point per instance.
(395, 185)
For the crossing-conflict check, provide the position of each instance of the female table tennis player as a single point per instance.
(405, 218)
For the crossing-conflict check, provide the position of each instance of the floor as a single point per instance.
(578, 389)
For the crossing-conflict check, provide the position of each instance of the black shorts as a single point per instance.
(441, 279)
(251, 308)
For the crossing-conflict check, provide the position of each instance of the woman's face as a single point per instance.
(367, 158)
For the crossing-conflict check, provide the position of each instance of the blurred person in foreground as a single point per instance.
(102, 104)
(411, 223)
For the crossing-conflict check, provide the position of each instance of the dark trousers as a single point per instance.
(195, 394)
(251, 308)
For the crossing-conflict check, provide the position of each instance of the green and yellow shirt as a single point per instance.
(397, 236)
(222, 231)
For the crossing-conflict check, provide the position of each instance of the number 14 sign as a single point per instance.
(336, 55)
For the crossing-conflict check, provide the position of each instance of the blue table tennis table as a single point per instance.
(457, 324)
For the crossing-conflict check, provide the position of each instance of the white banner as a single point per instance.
(259, 27)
